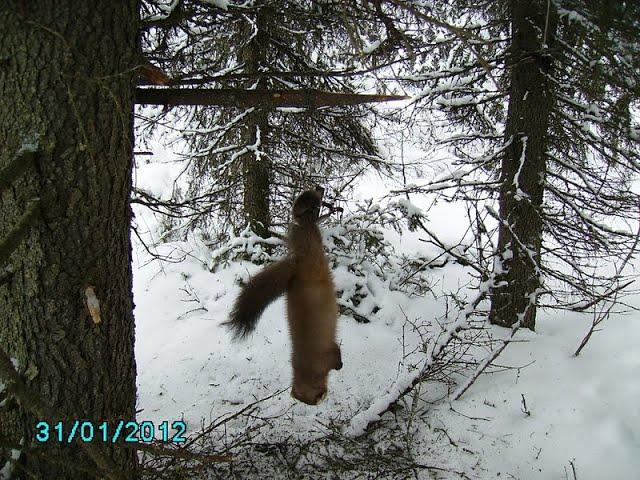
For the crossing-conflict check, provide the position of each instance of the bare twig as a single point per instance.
(495, 353)
(525, 410)
(361, 422)
(600, 317)
(573, 469)
(481, 368)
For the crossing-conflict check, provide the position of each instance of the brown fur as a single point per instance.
(257, 294)
(311, 304)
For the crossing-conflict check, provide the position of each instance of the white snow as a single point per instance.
(369, 47)
(520, 194)
(223, 4)
(582, 410)
(580, 413)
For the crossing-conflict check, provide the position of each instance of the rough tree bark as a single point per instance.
(524, 166)
(67, 81)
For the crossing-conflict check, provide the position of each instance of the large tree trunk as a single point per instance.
(256, 166)
(66, 79)
(517, 278)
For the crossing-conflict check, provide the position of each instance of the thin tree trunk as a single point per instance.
(256, 165)
(524, 165)
(66, 81)
(256, 176)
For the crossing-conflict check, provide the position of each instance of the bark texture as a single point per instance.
(524, 164)
(66, 80)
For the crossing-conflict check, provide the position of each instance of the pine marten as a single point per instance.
(311, 305)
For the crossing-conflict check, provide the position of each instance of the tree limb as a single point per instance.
(230, 97)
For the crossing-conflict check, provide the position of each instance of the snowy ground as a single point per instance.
(581, 413)
(583, 410)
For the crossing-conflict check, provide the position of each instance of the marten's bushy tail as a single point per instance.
(261, 289)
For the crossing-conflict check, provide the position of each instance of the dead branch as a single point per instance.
(364, 420)
(229, 97)
(598, 318)
(495, 353)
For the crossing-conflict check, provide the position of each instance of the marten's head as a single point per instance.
(306, 208)
(310, 375)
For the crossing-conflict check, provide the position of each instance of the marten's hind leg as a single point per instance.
(335, 357)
